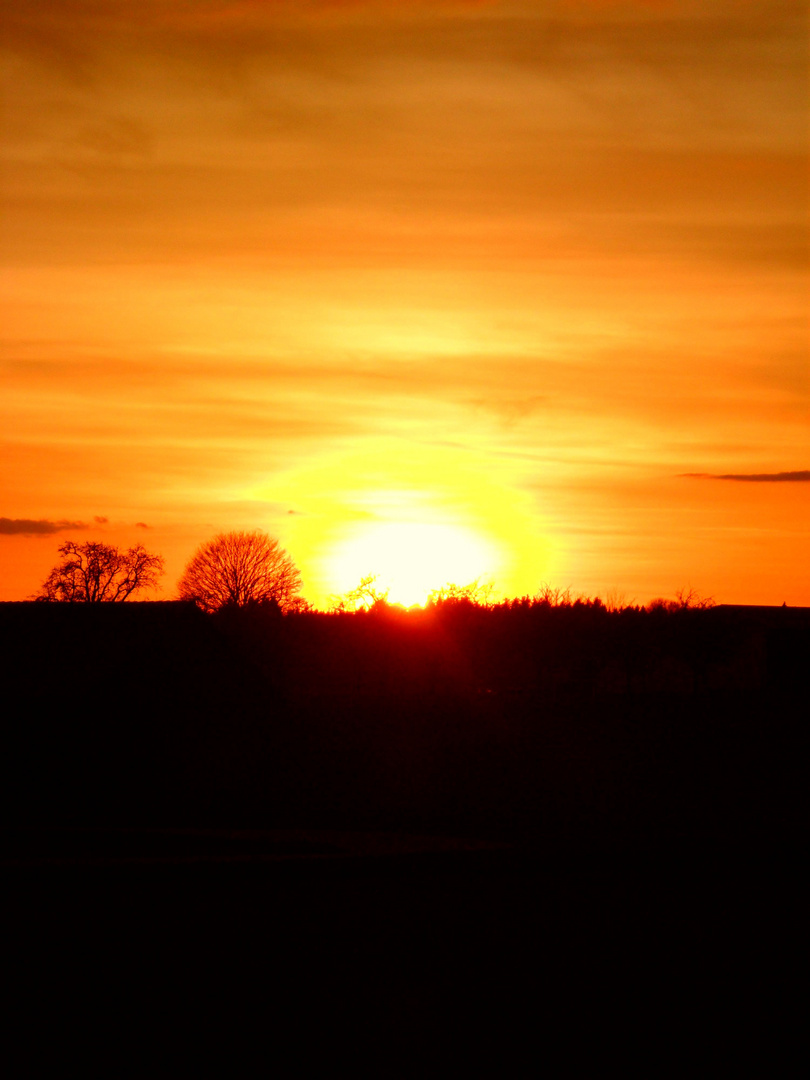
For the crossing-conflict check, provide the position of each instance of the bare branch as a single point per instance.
(364, 596)
(478, 592)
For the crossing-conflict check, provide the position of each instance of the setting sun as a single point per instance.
(410, 559)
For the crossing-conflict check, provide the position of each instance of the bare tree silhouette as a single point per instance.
(478, 592)
(240, 568)
(689, 597)
(99, 573)
(366, 596)
(685, 598)
(554, 596)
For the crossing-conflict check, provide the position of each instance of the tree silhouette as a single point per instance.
(551, 596)
(478, 592)
(687, 597)
(99, 573)
(239, 568)
(365, 596)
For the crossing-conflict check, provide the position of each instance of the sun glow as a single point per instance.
(411, 559)
(417, 514)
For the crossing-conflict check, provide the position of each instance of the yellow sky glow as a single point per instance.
(409, 560)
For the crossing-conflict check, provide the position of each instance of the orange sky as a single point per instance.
(533, 274)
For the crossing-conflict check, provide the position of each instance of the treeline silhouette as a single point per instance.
(518, 719)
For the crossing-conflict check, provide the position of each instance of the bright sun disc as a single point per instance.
(410, 559)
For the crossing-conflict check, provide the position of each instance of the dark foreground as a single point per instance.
(422, 961)
(212, 871)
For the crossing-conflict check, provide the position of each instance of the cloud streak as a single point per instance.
(27, 527)
(799, 476)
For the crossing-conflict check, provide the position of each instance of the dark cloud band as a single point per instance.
(25, 527)
(801, 476)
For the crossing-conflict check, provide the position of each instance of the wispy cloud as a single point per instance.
(800, 476)
(291, 253)
(26, 527)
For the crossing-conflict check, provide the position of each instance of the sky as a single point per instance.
(429, 290)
